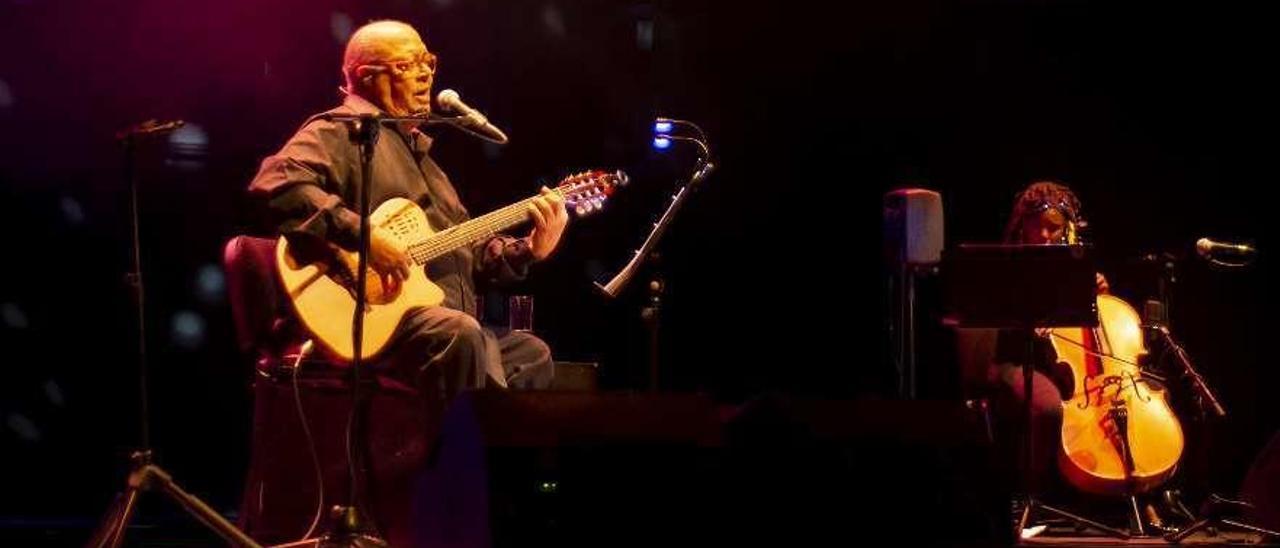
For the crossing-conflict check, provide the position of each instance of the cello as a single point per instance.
(1119, 435)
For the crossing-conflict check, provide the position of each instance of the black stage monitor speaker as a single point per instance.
(913, 226)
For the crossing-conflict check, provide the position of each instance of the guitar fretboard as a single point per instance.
(479, 228)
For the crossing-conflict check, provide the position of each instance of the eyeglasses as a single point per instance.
(425, 62)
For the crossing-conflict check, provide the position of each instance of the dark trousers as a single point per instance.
(445, 351)
(1009, 410)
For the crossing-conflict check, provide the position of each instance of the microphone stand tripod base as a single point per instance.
(1214, 519)
(349, 531)
(1032, 505)
(147, 476)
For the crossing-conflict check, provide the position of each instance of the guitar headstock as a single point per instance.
(586, 192)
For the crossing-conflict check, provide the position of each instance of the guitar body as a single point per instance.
(1110, 396)
(323, 293)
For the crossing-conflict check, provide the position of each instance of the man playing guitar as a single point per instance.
(310, 188)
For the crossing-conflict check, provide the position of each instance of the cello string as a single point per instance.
(1087, 350)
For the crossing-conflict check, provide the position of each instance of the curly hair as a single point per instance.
(1037, 197)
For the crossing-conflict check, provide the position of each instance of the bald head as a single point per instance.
(374, 44)
(387, 63)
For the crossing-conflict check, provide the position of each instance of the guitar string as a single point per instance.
(453, 237)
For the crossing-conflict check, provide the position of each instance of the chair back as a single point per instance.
(254, 293)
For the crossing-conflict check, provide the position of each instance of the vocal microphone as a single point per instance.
(1212, 250)
(471, 118)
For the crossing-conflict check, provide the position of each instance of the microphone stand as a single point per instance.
(651, 314)
(144, 474)
(1215, 509)
(1204, 397)
(350, 526)
(1157, 325)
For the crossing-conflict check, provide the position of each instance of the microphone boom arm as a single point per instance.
(1203, 393)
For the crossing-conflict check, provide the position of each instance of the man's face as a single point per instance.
(1046, 227)
(403, 85)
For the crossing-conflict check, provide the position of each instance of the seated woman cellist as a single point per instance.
(1043, 213)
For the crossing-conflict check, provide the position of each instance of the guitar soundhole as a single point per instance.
(403, 225)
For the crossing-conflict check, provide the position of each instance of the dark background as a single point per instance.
(1161, 117)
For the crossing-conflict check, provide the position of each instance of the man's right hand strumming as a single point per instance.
(387, 254)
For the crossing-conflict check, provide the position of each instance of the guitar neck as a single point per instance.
(475, 230)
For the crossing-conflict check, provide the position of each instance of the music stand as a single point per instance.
(1022, 286)
(1025, 287)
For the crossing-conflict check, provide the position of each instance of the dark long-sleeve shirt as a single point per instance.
(310, 187)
